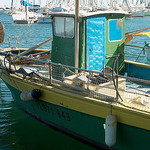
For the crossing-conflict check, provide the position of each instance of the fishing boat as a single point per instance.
(86, 89)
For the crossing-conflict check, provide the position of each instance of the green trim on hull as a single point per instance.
(83, 126)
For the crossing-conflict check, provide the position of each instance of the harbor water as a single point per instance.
(18, 131)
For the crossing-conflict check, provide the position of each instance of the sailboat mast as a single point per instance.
(33, 2)
(21, 2)
(12, 4)
(40, 3)
(76, 34)
(26, 10)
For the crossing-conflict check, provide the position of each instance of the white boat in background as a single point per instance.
(24, 16)
(4, 10)
(138, 10)
(21, 17)
(1, 10)
(45, 19)
(147, 12)
(138, 13)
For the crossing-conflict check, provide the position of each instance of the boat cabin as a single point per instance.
(101, 39)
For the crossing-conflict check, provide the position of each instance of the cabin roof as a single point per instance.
(86, 14)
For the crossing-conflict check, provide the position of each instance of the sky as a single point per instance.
(7, 3)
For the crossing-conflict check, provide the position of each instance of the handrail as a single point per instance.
(21, 37)
(48, 62)
(35, 47)
(27, 37)
(135, 46)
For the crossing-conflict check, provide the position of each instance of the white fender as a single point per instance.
(30, 95)
(110, 130)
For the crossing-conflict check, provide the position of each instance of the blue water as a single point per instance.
(18, 131)
(25, 30)
(134, 24)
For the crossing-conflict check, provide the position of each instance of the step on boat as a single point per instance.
(86, 89)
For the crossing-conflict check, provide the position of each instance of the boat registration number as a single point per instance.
(54, 111)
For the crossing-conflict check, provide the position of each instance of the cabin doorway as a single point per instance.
(95, 43)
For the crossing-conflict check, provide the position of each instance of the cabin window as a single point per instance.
(64, 27)
(115, 30)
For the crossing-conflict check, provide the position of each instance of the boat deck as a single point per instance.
(130, 95)
(98, 86)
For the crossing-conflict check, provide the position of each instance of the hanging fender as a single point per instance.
(110, 130)
(30, 95)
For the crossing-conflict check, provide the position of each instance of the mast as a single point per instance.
(40, 3)
(33, 2)
(11, 4)
(77, 34)
(26, 9)
(21, 2)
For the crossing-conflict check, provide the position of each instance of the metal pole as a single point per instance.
(35, 47)
(9, 41)
(40, 3)
(33, 2)
(77, 35)
(26, 11)
(103, 69)
(12, 5)
(117, 70)
(50, 73)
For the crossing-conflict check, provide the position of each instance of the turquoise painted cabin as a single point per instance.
(101, 39)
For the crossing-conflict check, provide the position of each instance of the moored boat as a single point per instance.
(85, 83)
(24, 16)
(45, 19)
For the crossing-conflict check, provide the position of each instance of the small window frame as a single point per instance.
(64, 31)
(109, 30)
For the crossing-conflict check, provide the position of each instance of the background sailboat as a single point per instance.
(24, 16)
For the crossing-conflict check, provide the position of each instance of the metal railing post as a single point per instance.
(117, 78)
(50, 73)
(9, 41)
